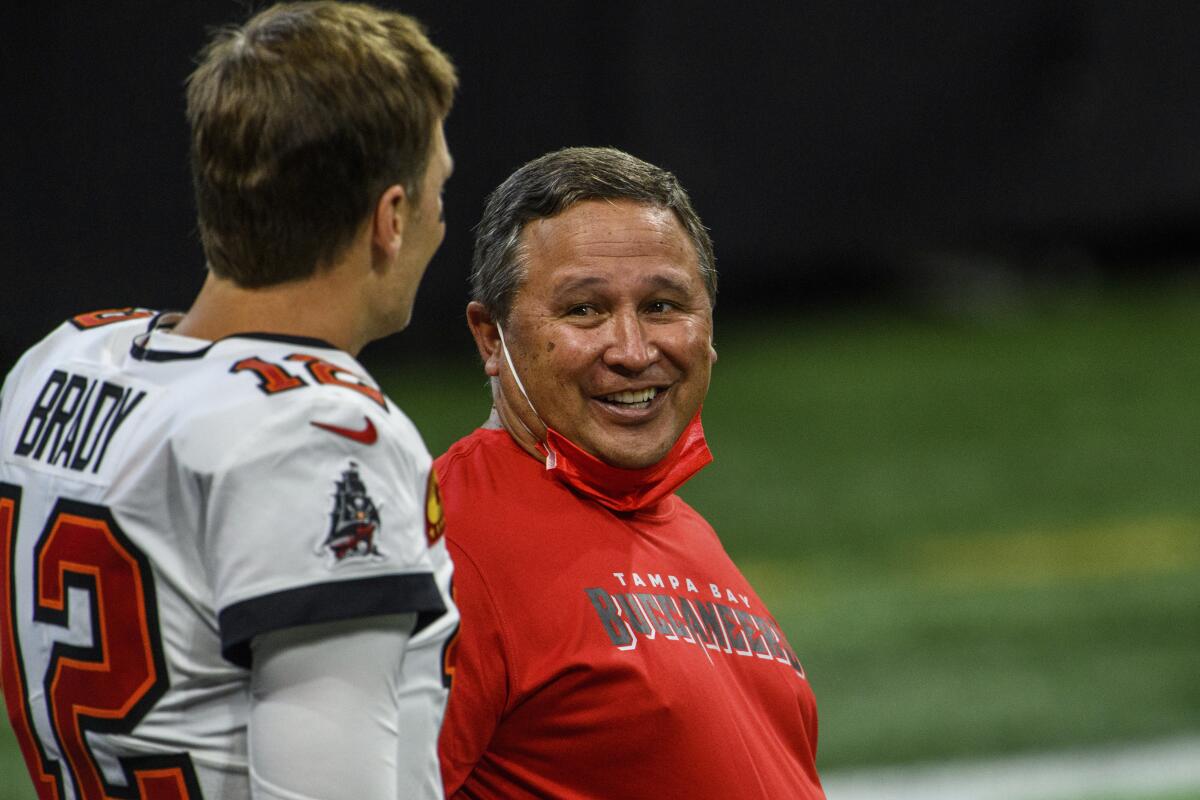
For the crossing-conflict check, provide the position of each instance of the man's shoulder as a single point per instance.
(488, 483)
(483, 452)
(683, 510)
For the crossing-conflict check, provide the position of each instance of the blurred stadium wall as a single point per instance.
(935, 153)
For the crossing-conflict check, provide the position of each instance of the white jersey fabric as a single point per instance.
(165, 500)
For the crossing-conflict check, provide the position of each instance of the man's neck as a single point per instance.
(520, 427)
(325, 306)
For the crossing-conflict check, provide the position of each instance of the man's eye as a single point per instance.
(581, 310)
(661, 306)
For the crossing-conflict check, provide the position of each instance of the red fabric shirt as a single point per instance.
(606, 655)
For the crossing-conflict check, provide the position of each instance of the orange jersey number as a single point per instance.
(105, 686)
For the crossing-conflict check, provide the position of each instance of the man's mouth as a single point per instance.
(637, 399)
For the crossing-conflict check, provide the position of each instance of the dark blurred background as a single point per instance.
(921, 154)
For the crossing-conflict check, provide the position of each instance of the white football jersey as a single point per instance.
(163, 500)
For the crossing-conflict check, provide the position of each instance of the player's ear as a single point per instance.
(487, 336)
(388, 220)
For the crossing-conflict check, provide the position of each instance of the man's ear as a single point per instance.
(388, 221)
(487, 336)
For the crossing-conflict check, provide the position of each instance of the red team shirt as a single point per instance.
(606, 655)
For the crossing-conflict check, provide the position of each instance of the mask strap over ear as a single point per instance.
(513, 370)
(551, 458)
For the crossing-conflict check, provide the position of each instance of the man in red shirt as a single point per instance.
(609, 648)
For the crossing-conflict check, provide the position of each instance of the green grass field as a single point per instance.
(982, 537)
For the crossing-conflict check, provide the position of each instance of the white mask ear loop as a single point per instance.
(551, 457)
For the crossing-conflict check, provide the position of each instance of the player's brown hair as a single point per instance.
(548, 186)
(300, 119)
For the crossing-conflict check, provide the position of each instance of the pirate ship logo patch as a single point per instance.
(353, 521)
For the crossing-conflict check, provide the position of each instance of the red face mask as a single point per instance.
(619, 489)
(627, 489)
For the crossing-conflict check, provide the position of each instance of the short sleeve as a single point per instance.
(478, 665)
(307, 523)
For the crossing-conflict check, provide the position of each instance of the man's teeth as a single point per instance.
(640, 396)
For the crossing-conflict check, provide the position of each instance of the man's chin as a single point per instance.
(633, 457)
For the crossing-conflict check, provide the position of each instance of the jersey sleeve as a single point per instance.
(478, 666)
(324, 725)
(306, 524)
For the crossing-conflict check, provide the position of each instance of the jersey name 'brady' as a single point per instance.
(81, 414)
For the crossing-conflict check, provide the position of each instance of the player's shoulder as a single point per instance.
(90, 331)
(66, 398)
(259, 393)
(108, 317)
(286, 372)
(90, 341)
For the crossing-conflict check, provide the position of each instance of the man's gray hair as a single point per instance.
(549, 185)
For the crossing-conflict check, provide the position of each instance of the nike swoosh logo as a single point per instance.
(367, 435)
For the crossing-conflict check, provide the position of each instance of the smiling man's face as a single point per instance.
(611, 330)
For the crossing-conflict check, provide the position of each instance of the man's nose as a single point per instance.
(631, 347)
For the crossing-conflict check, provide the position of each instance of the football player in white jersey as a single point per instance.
(221, 565)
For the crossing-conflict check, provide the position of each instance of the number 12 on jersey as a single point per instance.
(103, 687)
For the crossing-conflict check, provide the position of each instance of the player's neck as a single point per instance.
(326, 306)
